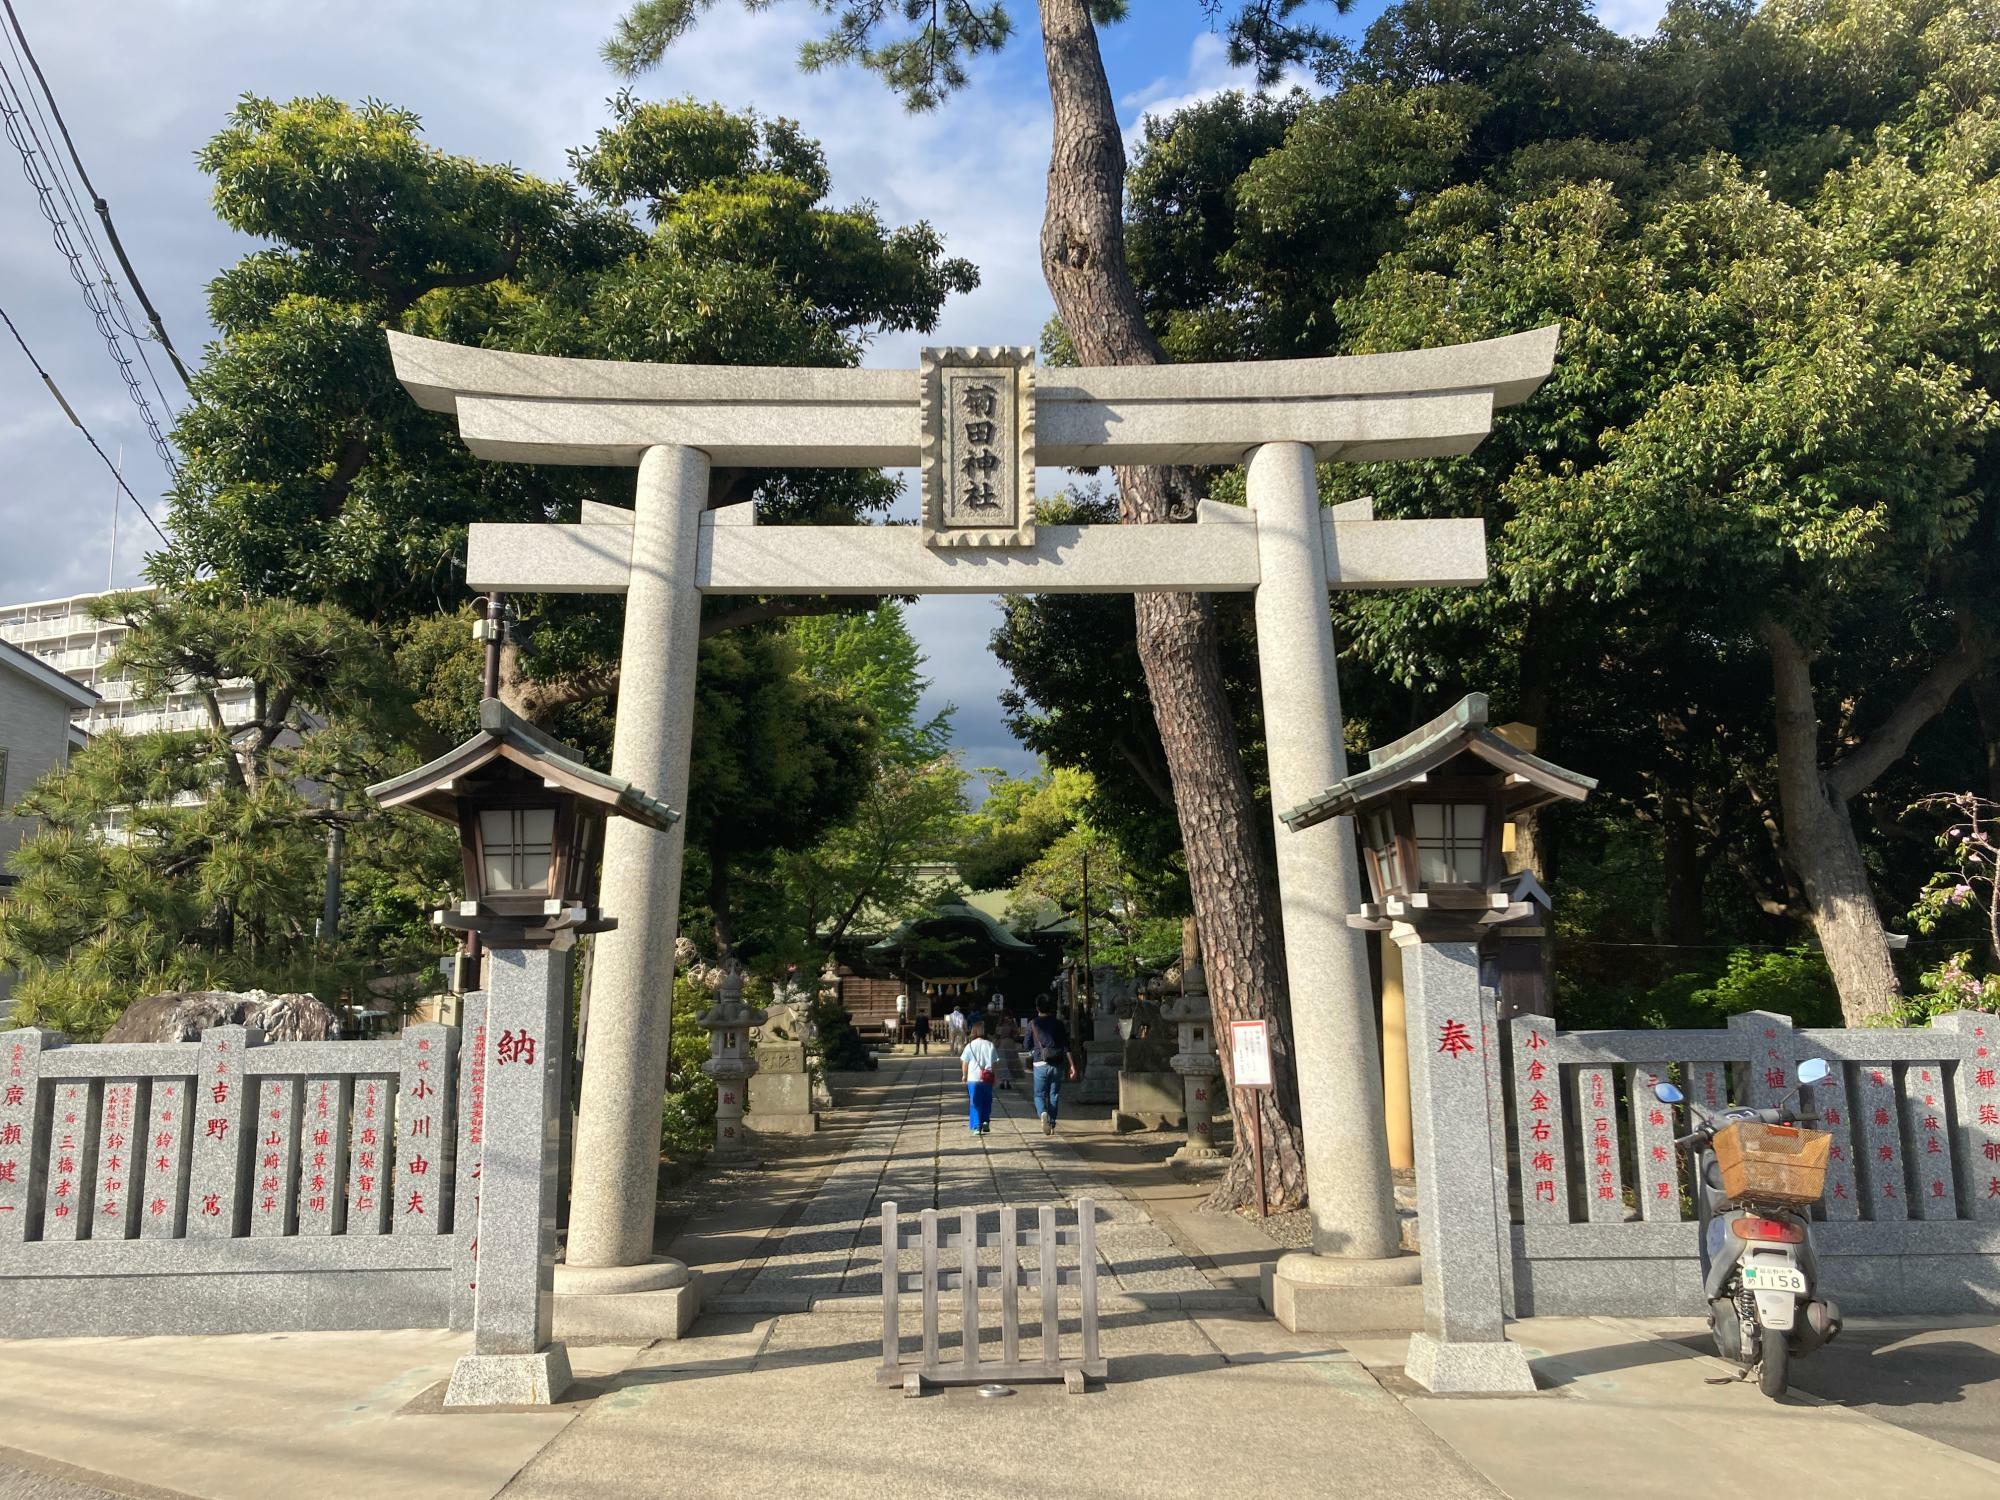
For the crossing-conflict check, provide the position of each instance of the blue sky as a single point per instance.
(143, 86)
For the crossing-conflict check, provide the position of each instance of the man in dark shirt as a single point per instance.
(1048, 1045)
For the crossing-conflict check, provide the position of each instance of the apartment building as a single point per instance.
(61, 634)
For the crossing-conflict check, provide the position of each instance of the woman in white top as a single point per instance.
(976, 1065)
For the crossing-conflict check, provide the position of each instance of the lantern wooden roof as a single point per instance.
(435, 788)
(1531, 782)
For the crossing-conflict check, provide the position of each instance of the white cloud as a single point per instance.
(1208, 74)
(1631, 17)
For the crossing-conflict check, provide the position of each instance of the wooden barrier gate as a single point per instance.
(968, 1277)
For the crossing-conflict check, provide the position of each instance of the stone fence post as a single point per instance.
(513, 1360)
(1455, 1112)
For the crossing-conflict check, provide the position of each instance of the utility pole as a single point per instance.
(336, 849)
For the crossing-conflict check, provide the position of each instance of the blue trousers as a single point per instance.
(982, 1103)
(1048, 1088)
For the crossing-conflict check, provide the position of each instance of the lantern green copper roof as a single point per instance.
(505, 734)
(1461, 728)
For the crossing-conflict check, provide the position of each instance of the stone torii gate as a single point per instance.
(681, 425)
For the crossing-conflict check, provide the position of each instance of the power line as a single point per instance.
(103, 208)
(70, 412)
(21, 131)
(70, 193)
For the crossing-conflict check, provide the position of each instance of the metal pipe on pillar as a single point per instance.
(1395, 1061)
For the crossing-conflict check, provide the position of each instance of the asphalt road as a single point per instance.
(1937, 1377)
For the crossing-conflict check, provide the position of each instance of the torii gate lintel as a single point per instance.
(1218, 554)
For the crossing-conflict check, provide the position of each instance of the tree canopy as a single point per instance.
(1739, 540)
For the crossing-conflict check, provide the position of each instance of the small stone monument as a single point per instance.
(781, 1093)
(829, 993)
(1149, 1090)
(1102, 1053)
(730, 1062)
(1196, 1061)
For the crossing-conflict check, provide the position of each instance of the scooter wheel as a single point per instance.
(1773, 1370)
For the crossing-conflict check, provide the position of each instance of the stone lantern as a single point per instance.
(730, 1061)
(530, 817)
(1431, 808)
(1195, 1061)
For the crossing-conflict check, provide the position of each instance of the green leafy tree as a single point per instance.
(689, 234)
(1019, 819)
(783, 761)
(692, 235)
(872, 863)
(195, 858)
(1755, 231)
(1034, 837)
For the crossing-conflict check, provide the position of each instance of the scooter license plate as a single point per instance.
(1774, 1279)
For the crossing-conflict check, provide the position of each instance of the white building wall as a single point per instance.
(34, 731)
(35, 739)
(61, 633)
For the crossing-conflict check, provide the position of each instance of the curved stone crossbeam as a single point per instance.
(1425, 403)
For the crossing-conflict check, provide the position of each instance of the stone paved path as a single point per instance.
(916, 1152)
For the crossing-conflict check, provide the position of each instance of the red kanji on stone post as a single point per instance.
(516, 1046)
(1454, 1040)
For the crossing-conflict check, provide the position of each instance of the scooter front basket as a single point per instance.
(1772, 1164)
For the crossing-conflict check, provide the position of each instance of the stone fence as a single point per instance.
(233, 1185)
(1600, 1218)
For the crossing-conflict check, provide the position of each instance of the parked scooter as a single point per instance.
(1757, 1174)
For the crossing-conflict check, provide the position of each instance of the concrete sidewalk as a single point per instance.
(786, 1405)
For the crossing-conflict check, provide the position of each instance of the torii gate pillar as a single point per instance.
(630, 1017)
(1356, 1279)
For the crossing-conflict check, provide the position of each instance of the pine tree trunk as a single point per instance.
(1820, 843)
(1083, 260)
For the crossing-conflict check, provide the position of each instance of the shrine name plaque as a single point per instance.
(979, 447)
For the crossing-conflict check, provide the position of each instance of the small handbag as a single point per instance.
(985, 1075)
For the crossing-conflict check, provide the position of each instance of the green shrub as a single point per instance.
(839, 1048)
(1793, 982)
(687, 1121)
(1951, 985)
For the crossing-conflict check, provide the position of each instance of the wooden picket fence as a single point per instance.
(1047, 1276)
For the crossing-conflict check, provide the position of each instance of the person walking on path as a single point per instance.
(976, 1064)
(1007, 1038)
(921, 1031)
(955, 1026)
(1048, 1041)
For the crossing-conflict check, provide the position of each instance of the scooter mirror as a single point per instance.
(1666, 1093)
(1813, 1069)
